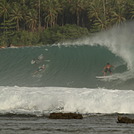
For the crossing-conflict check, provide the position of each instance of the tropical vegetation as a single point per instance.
(32, 22)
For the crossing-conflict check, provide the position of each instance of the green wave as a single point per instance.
(66, 66)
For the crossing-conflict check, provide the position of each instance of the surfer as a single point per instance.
(40, 68)
(107, 68)
(38, 60)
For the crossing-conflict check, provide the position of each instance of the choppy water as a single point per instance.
(93, 124)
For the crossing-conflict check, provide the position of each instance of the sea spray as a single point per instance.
(119, 40)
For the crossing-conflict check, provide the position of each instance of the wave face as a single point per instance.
(68, 83)
(73, 66)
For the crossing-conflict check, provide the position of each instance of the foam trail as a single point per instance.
(40, 100)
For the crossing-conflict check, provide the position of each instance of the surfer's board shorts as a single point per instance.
(107, 70)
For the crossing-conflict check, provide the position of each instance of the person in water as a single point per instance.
(40, 68)
(107, 68)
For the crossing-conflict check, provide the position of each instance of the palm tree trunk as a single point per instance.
(104, 11)
(18, 25)
(39, 16)
(78, 18)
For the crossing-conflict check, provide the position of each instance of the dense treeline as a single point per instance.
(48, 21)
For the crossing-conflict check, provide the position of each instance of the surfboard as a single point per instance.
(103, 77)
(40, 57)
(33, 61)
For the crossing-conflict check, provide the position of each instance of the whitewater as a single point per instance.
(43, 100)
(68, 83)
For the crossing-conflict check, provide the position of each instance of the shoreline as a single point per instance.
(15, 46)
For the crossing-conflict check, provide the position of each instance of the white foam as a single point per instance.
(55, 99)
(118, 76)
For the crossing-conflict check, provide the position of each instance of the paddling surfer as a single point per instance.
(40, 68)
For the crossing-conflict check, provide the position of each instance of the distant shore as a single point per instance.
(15, 46)
(48, 36)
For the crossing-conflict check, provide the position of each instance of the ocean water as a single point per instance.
(69, 84)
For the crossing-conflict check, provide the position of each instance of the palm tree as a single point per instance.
(77, 6)
(4, 9)
(23, 2)
(51, 8)
(62, 14)
(4, 13)
(16, 14)
(37, 5)
(32, 19)
(129, 9)
(118, 14)
(96, 13)
(132, 12)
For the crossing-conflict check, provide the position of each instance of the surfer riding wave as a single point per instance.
(107, 68)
